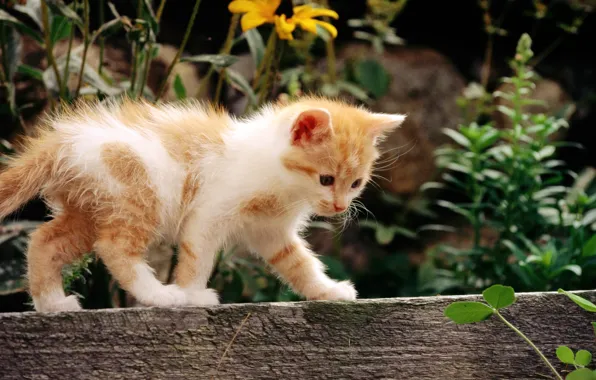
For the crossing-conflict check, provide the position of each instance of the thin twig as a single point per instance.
(102, 20)
(160, 10)
(227, 47)
(85, 46)
(48, 42)
(66, 68)
(135, 54)
(230, 344)
(149, 57)
(4, 72)
(180, 50)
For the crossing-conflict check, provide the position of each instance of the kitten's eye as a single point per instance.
(357, 183)
(326, 180)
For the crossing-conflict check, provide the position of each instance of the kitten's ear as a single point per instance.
(311, 127)
(383, 124)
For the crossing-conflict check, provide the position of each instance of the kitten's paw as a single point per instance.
(196, 297)
(55, 304)
(339, 291)
(164, 296)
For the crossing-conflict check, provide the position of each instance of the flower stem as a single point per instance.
(266, 58)
(102, 20)
(227, 47)
(66, 74)
(160, 10)
(330, 50)
(524, 337)
(180, 50)
(85, 46)
(4, 75)
(45, 17)
(135, 55)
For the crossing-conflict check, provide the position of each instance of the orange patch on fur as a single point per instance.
(294, 165)
(283, 254)
(189, 189)
(265, 204)
(57, 243)
(185, 271)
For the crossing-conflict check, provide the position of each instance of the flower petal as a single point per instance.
(251, 20)
(243, 6)
(306, 11)
(328, 27)
(284, 28)
(269, 6)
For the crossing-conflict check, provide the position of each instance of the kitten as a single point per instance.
(122, 176)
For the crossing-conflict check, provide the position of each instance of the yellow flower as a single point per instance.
(259, 12)
(284, 28)
(304, 17)
(256, 12)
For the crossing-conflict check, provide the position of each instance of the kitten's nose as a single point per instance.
(339, 208)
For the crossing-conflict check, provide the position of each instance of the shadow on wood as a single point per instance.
(399, 338)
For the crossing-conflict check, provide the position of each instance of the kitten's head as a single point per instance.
(332, 149)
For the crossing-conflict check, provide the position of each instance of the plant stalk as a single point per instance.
(180, 50)
(4, 75)
(269, 49)
(330, 50)
(135, 54)
(227, 47)
(160, 10)
(85, 46)
(45, 19)
(524, 337)
(66, 74)
(102, 20)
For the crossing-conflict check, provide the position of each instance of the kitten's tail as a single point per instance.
(26, 174)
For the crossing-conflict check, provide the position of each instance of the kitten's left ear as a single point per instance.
(383, 124)
(311, 127)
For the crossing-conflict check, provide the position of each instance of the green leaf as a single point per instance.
(581, 374)
(58, 7)
(60, 29)
(583, 358)
(373, 77)
(33, 10)
(574, 268)
(594, 326)
(582, 302)
(236, 80)
(179, 88)
(589, 248)
(21, 27)
(455, 208)
(149, 16)
(565, 355)
(30, 71)
(457, 137)
(384, 235)
(468, 312)
(217, 60)
(256, 45)
(13, 47)
(499, 296)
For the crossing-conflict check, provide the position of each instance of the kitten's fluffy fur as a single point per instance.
(123, 176)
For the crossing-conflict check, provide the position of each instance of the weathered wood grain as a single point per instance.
(401, 338)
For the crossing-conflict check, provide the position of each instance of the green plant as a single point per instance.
(499, 297)
(508, 182)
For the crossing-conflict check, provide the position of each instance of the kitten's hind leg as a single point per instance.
(57, 243)
(196, 255)
(121, 244)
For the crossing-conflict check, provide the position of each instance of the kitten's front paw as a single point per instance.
(164, 296)
(197, 297)
(339, 291)
(55, 304)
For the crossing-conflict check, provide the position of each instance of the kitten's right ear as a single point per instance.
(311, 127)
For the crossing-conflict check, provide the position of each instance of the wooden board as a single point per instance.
(399, 338)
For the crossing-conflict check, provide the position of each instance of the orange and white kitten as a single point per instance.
(120, 177)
